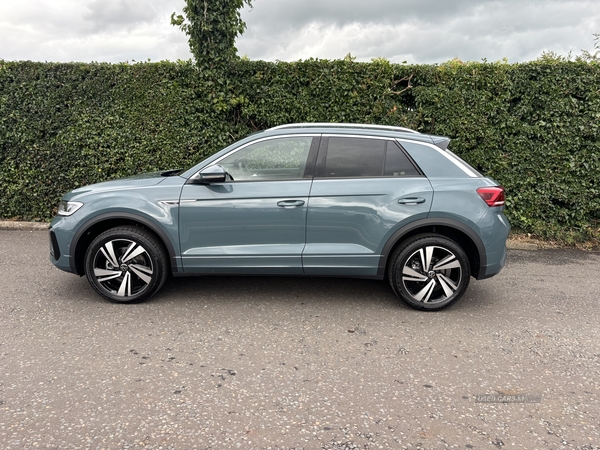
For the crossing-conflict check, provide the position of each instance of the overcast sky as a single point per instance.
(416, 31)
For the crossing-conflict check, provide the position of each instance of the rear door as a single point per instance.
(365, 188)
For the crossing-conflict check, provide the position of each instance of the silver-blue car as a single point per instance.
(310, 199)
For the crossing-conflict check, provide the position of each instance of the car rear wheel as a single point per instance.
(429, 272)
(126, 265)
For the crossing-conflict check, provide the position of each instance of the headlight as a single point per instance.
(67, 208)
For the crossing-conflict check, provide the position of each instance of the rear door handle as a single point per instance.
(290, 203)
(411, 200)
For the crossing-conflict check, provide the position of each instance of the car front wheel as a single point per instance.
(126, 265)
(429, 272)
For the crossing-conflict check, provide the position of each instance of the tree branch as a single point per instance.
(408, 78)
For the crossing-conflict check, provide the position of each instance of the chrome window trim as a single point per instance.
(373, 177)
(448, 155)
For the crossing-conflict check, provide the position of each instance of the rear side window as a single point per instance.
(352, 157)
(397, 163)
(360, 158)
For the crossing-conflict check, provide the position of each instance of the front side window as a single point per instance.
(359, 158)
(272, 159)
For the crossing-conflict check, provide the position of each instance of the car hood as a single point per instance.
(135, 181)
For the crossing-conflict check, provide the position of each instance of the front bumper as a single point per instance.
(60, 237)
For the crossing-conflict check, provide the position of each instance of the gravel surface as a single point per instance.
(291, 363)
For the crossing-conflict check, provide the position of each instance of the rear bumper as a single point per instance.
(495, 263)
(494, 228)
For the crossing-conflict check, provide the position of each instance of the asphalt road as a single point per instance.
(217, 363)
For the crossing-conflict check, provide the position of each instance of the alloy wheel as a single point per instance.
(432, 274)
(123, 267)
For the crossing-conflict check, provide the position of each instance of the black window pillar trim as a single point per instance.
(311, 160)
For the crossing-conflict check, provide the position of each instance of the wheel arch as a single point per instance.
(86, 234)
(462, 234)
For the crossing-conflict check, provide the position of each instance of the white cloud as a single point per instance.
(413, 30)
(123, 14)
(418, 31)
(92, 30)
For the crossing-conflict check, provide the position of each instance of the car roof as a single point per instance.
(394, 132)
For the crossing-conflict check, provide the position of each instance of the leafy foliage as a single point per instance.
(212, 27)
(586, 55)
(533, 127)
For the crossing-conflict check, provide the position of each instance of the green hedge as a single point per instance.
(533, 127)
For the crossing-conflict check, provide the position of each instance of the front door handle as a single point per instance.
(411, 200)
(290, 203)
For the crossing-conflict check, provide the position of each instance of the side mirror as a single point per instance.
(211, 174)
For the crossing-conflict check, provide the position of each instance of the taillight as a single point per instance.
(493, 196)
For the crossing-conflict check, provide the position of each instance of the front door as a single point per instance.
(256, 222)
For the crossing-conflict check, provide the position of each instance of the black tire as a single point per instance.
(126, 264)
(418, 278)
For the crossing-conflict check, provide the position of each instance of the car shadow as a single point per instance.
(277, 290)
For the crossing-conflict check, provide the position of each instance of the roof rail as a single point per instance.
(344, 125)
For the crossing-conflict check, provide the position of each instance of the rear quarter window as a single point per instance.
(437, 163)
